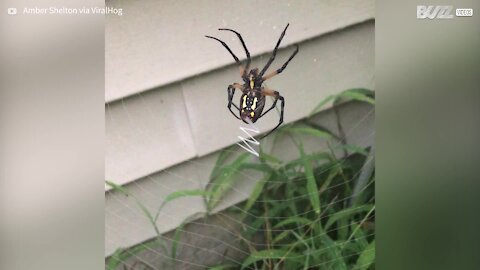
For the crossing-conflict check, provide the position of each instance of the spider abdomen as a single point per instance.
(251, 106)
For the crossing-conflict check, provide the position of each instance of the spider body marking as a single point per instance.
(252, 100)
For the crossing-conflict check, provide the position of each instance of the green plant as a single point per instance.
(313, 212)
(310, 210)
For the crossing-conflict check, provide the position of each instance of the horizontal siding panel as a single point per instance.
(146, 133)
(160, 42)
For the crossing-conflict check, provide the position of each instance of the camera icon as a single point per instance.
(12, 11)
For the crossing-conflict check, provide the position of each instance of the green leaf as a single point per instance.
(127, 193)
(342, 229)
(259, 222)
(257, 190)
(345, 213)
(118, 188)
(366, 258)
(222, 157)
(270, 254)
(311, 157)
(115, 260)
(144, 209)
(296, 220)
(281, 236)
(309, 123)
(266, 157)
(335, 170)
(224, 181)
(312, 188)
(179, 194)
(310, 131)
(359, 225)
(307, 257)
(121, 255)
(256, 166)
(360, 238)
(333, 256)
(176, 240)
(322, 103)
(358, 94)
(185, 193)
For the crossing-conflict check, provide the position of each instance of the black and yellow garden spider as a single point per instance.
(253, 97)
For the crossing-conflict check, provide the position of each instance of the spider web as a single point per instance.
(152, 257)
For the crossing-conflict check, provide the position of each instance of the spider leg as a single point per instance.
(278, 71)
(270, 92)
(274, 53)
(249, 60)
(231, 93)
(282, 100)
(273, 106)
(242, 70)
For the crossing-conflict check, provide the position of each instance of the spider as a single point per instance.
(253, 93)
